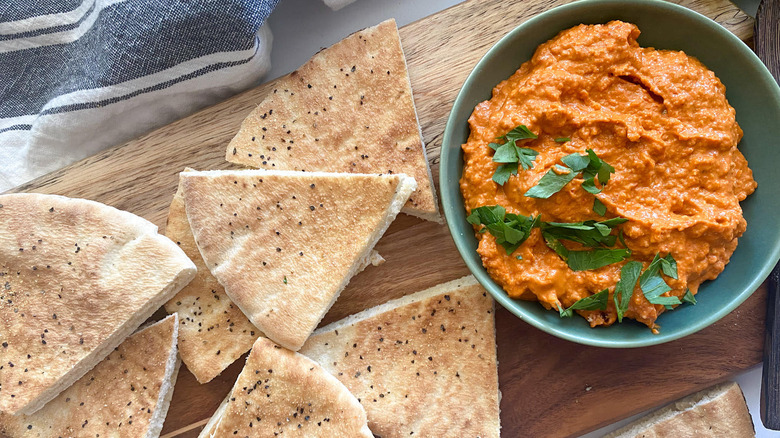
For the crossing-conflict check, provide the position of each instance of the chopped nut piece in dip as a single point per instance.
(660, 118)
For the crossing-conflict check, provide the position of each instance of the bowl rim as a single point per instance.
(450, 204)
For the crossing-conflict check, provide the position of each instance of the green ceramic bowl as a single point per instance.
(750, 88)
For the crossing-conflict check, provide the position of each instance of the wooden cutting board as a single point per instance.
(550, 387)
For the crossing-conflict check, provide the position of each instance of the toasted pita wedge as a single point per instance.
(348, 109)
(421, 365)
(282, 392)
(718, 411)
(284, 244)
(213, 332)
(76, 278)
(127, 394)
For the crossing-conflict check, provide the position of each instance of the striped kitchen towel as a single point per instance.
(77, 76)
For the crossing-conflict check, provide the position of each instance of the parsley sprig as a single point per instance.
(624, 289)
(651, 283)
(599, 208)
(596, 235)
(590, 165)
(510, 230)
(597, 301)
(511, 155)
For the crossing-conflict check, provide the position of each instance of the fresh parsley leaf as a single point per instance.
(597, 301)
(588, 233)
(605, 170)
(653, 267)
(486, 215)
(580, 226)
(667, 302)
(596, 169)
(576, 162)
(537, 221)
(504, 171)
(551, 182)
(614, 221)
(596, 258)
(556, 246)
(506, 153)
(520, 133)
(604, 230)
(511, 155)
(590, 165)
(506, 233)
(526, 157)
(285, 279)
(562, 139)
(590, 186)
(597, 235)
(510, 230)
(621, 239)
(688, 297)
(669, 266)
(599, 208)
(624, 289)
(653, 285)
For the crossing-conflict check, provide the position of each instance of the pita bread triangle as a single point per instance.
(127, 394)
(421, 365)
(348, 109)
(76, 278)
(282, 392)
(213, 332)
(284, 244)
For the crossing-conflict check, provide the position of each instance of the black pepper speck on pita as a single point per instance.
(334, 104)
(282, 393)
(435, 352)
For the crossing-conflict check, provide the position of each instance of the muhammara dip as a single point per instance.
(660, 118)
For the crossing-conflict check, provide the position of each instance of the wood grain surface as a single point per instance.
(767, 39)
(550, 387)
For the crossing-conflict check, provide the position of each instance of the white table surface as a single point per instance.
(302, 27)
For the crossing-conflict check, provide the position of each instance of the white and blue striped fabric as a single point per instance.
(77, 76)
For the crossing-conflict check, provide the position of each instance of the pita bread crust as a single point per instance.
(284, 244)
(76, 278)
(718, 411)
(213, 332)
(280, 391)
(348, 109)
(422, 365)
(121, 396)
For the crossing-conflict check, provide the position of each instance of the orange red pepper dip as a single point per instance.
(660, 118)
